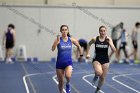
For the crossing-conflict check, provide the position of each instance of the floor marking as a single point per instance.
(113, 78)
(24, 79)
(89, 82)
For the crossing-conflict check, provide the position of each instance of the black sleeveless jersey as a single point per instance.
(101, 50)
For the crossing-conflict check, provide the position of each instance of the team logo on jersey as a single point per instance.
(101, 46)
(66, 46)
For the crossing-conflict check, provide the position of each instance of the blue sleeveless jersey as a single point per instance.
(64, 57)
(9, 36)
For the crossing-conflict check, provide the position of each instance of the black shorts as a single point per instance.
(135, 44)
(101, 60)
(9, 44)
(84, 45)
(123, 45)
(115, 43)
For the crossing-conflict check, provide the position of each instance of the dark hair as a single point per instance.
(102, 27)
(137, 24)
(121, 23)
(12, 26)
(67, 28)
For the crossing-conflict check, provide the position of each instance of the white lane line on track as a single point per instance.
(24, 79)
(29, 75)
(54, 78)
(84, 78)
(114, 79)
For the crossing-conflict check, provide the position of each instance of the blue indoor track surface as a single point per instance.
(40, 77)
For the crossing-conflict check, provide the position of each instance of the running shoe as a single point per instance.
(67, 88)
(94, 80)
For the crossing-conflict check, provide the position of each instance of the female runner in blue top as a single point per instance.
(101, 58)
(64, 57)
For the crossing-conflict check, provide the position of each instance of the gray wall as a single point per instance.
(83, 22)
